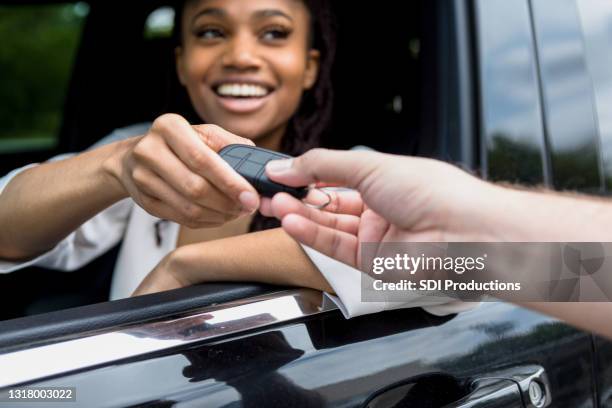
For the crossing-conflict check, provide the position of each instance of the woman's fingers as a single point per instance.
(191, 186)
(191, 146)
(336, 244)
(163, 201)
(283, 204)
(217, 138)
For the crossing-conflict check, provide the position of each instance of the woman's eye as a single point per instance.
(209, 33)
(274, 34)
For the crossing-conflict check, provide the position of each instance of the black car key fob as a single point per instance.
(250, 162)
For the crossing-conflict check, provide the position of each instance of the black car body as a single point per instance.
(502, 87)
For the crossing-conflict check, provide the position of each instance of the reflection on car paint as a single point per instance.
(343, 362)
(567, 92)
(513, 137)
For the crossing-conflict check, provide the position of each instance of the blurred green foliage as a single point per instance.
(575, 170)
(514, 162)
(37, 51)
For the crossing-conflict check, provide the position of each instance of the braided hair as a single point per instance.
(312, 120)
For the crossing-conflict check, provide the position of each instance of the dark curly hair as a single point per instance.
(313, 117)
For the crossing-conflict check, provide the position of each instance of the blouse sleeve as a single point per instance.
(91, 239)
(83, 245)
(346, 282)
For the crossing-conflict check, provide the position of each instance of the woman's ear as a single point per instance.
(180, 66)
(312, 68)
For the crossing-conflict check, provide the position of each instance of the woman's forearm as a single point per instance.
(43, 204)
(266, 256)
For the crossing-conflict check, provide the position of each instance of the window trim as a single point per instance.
(121, 343)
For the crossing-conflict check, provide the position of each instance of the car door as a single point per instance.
(595, 22)
(258, 346)
(571, 98)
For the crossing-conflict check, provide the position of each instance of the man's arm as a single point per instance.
(419, 200)
(518, 215)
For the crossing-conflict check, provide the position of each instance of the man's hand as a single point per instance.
(399, 199)
(426, 200)
(175, 173)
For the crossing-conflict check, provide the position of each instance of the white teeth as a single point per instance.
(242, 90)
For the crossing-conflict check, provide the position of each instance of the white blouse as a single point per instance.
(146, 241)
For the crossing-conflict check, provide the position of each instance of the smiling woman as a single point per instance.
(283, 51)
(246, 67)
(262, 70)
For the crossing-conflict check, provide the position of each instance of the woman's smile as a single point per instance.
(247, 63)
(242, 96)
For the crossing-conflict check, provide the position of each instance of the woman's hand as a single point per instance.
(266, 256)
(174, 172)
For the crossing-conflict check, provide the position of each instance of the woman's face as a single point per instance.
(246, 63)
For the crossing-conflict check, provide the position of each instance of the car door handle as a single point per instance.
(498, 389)
(491, 392)
(520, 387)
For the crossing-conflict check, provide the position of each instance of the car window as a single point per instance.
(39, 43)
(569, 111)
(511, 118)
(127, 73)
(596, 21)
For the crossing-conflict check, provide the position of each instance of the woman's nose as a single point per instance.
(241, 54)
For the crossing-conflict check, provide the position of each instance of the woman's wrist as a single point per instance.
(178, 265)
(112, 166)
(167, 275)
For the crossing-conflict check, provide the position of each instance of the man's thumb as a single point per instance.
(320, 165)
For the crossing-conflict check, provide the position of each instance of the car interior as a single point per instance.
(391, 83)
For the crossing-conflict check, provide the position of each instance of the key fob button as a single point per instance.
(250, 163)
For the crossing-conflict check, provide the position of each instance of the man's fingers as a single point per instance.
(345, 202)
(374, 227)
(322, 165)
(265, 208)
(336, 244)
(283, 204)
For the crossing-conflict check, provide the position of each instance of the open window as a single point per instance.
(39, 46)
(403, 84)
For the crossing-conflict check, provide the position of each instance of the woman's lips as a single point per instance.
(242, 105)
